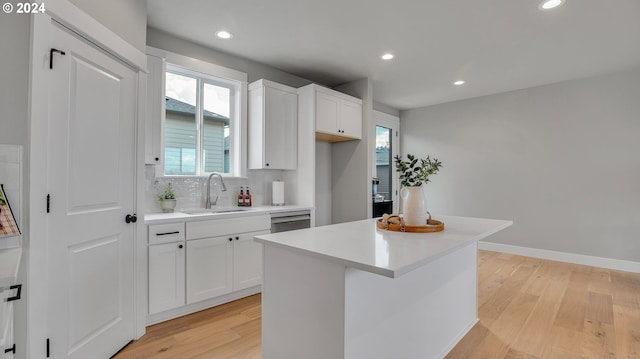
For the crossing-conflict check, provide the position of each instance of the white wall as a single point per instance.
(323, 184)
(14, 76)
(127, 18)
(386, 109)
(351, 162)
(562, 161)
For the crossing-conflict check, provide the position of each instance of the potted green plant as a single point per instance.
(168, 199)
(413, 173)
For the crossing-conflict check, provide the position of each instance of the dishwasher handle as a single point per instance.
(290, 219)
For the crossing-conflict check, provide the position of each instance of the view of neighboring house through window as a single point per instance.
(198, 123)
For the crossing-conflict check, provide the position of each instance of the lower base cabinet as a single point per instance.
(215, 259)
(247, 261)
(209, 268)
(166, 276)
(220, 265)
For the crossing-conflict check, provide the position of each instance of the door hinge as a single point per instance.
(11, 350)
(48, 351)
(48, 203)
(396, 133)
(51, 56)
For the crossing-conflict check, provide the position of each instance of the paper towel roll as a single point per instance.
(278, 193)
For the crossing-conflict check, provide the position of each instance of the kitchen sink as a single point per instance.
(212, 210)
(231, 210)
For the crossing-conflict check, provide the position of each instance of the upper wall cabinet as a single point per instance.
(155, 109)
(338, 116)
(273, 126)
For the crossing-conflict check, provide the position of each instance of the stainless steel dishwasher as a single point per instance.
(290, 221)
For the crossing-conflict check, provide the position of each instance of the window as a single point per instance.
(202, 114)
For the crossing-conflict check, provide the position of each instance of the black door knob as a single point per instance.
(237, 238)
(131, 218)
(180, 246)
(230, 239)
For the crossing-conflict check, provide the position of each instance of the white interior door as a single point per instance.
(91, 180)
(387, 145)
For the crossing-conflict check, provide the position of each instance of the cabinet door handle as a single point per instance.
(18, 293)
(180, 246)
(11, 349)
(167, 233)
(230, 239)
(237, 238)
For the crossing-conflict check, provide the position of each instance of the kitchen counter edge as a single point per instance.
(175, 217)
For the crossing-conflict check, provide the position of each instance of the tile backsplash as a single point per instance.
(190, 191)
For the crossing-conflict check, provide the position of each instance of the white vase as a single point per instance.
(414, 206)
(168, 205)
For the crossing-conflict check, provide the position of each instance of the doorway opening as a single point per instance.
(384, 194)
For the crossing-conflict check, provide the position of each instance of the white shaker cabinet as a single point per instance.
(155, 109)
(209, 268)
(247, 260)
(351, 118)
(222, 257)
(166, 267)
(272, 126)
(166, 276)
(198, 264)
(220, 265)
(338, 116)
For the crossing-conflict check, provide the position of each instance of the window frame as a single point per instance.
(201, 81)
(191, 67)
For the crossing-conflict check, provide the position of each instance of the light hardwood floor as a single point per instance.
(528, 308)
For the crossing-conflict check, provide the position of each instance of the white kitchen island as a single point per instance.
(353, 291)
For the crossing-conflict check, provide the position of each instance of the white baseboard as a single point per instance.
(609, 263)
(205, 304)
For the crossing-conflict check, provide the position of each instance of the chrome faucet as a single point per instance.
(208, 202)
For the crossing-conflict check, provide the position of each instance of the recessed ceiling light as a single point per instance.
(224, 34)
(387, 56)
(550, 4)
(458, 83)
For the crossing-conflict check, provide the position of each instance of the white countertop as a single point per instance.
(363, 246)
(9, 262)
(157, 218)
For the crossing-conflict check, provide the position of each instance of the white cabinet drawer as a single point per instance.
(166, 233)
(221, 227)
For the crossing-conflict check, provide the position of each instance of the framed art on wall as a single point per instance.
(8, 225)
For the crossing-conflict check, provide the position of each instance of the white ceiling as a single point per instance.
(494, 45)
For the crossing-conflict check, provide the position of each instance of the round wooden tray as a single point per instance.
(431, 226)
